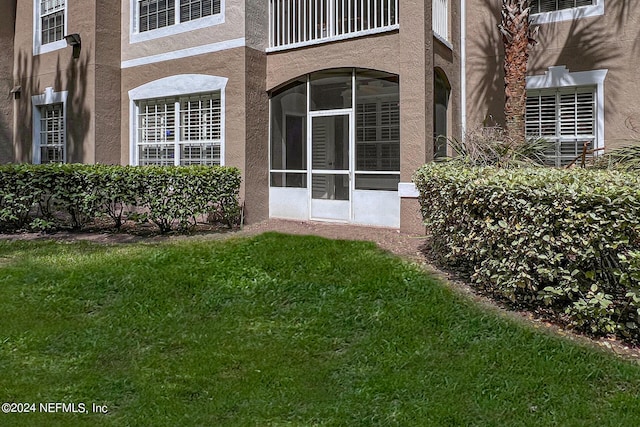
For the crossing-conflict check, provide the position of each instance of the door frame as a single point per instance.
(349, 112)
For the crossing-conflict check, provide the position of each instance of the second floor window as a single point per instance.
(51, 21)
(541, 6)
(163, 13)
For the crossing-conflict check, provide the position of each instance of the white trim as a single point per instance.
(376, 207)
(442, 40)
(559, 76)
(170, 30)
(184, 53)
(48, 97)
(178, 85)
(569, 14)
(408, 190)
(38, 47)
(463, 67)
(334, 38)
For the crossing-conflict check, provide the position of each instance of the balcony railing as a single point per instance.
(440, 18)
(302, 22)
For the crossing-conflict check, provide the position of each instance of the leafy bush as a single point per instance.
(180, 195)
(70, 189)
(567, 240)
(46, 196)
(119, 188)
(17, 196)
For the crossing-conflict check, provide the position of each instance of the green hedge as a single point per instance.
(53, 196)
(563, 241)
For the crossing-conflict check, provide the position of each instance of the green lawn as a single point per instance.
(279, 330)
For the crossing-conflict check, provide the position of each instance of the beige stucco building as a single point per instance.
(326, 106)
(582, 85)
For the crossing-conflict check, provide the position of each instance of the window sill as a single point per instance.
(442, 40)
(39, 49)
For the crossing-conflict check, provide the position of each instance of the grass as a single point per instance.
(279, 330)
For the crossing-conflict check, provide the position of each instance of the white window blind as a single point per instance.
(180, 131)
(378, 136)
(154, 14)
(541, 6)
(194, 9)
(566, 117)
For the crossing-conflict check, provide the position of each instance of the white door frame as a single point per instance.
(351, 134)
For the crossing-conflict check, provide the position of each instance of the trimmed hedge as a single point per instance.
(50, 196)
(565, 240)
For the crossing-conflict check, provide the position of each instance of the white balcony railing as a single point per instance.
(300, 22)
(440, 18)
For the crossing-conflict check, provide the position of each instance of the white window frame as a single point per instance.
(175, 86)
(571, 14)
(135, 36)
(560, 77)
(38, 47)
(37, 101)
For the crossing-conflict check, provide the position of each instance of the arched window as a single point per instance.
(441, 91)
(178, 120)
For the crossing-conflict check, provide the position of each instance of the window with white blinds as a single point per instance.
(566, 117)
(153, 14)
(541, 6)
(378, 136)
(180, 131)
(194, 9)
(51, 143)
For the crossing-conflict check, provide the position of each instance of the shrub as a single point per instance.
(181, 194)
(119, 189)
(16, 197)
(563, 239)
(48, 195)
(73, 189)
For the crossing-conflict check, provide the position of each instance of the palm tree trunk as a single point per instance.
(517, 38)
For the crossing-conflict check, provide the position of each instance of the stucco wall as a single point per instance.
(60, 71)
(603, 42)
(229, 64)
(256, 170)
(7, 21)
(107, 99)
(232, 28)
(257, 24)
(378, 52)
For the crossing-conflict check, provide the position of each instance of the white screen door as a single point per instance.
(331, 166)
